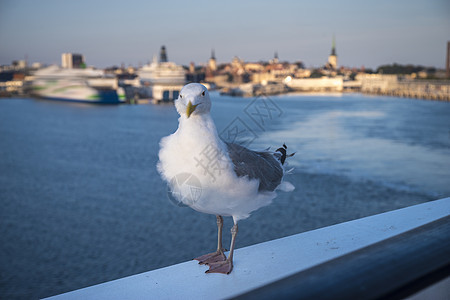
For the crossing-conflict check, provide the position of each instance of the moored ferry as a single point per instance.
(162, 80)
(76, 84)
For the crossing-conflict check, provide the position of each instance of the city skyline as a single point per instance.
(111, 33)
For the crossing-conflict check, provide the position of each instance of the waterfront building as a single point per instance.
(72, 60)
(237, 65)
(196, 73)
(254, 67)
(302, 73)
(36, 65)
(211, 68)
(275, 59)
(19, 64)
(447, 69)
(404, 86)
(324, 84)
(192, 67)
(212, 64)
(332, 59)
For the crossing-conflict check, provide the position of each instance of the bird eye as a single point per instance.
(181, 96)
(203, 93)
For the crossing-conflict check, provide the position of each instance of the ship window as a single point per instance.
(166, 95)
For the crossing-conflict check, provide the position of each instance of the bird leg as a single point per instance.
(225, 267)
(218, 255)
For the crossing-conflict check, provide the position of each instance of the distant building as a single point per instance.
(192, 67)
(212, 64)
(275, 59)
(237, 65)
(36, 65)
(448, 61)
(196, 74)
(254, 67)
(72, 61)
(19, 64)
(323, 84)
(332, 59)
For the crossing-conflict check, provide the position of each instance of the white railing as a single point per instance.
(272, 264)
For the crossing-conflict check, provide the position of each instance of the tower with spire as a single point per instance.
(332, 59)
(212, 64)
(275, 58)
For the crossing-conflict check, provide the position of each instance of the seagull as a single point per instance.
(231, 180)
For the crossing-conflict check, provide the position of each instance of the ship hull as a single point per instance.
(102, 97)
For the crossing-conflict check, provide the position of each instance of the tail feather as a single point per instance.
(284, 154)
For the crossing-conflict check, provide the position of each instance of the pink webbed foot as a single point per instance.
(210, 258)
(223, 267)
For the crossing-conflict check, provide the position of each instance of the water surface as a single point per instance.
(82, 203)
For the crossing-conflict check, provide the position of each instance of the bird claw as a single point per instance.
(223, 267)
(210, 258)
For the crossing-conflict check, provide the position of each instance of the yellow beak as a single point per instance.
(190, 108)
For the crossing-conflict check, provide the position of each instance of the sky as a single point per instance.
(107, 33)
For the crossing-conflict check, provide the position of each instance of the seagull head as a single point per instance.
(193, 100)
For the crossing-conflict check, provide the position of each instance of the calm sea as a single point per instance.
(82, 202)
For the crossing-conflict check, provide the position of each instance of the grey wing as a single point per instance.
(256, 165)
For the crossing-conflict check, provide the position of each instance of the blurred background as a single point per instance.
(360, 91)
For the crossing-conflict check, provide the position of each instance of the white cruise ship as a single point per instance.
(162, 80)
(76, 84)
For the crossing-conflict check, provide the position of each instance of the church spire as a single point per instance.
(332, 59)
(212, 62)
(333, 46)
(275, 58)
